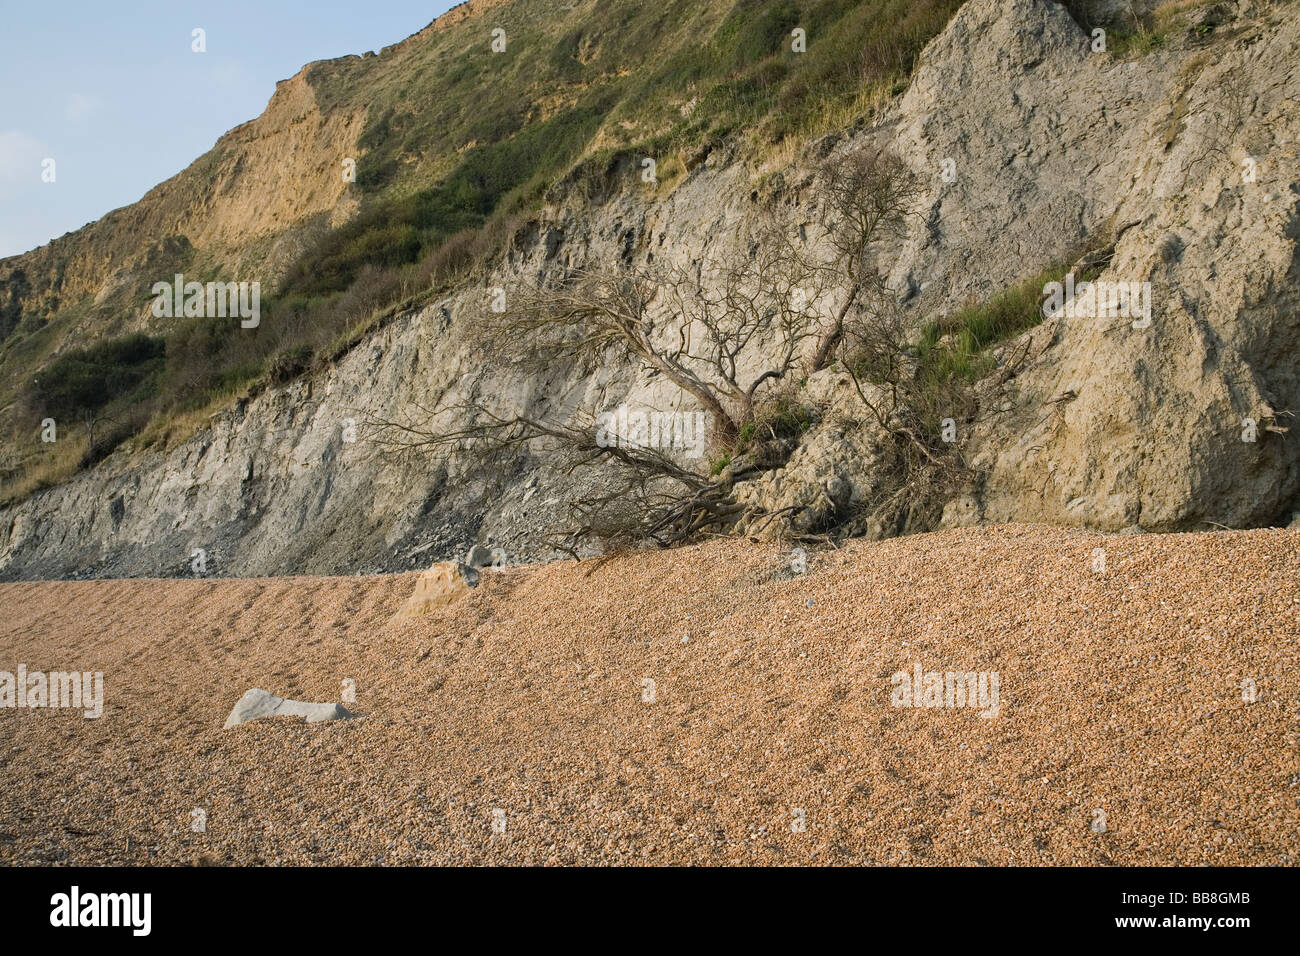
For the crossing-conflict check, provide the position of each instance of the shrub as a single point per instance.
(288, 364)
(89, 379)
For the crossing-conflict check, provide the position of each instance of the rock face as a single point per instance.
(259, 703)
(441, 585)
(483, 555)
(1182, 423)
(1185, 154)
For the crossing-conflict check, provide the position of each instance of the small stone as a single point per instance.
(485, 556)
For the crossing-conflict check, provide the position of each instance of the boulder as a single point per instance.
(441, 585)
(260, 703)
(484, 556)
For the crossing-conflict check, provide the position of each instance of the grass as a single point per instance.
(778, 417)
(167, 432)
(1133, 41)
(47, 466)
(1133, 35)
(958, 347)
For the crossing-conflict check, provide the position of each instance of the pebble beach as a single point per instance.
(720, 704)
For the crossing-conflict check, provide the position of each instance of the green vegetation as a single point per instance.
(780, 418)
(98, 397)
(610, 82)
(400, 231)
(1129, 33)
(957, 347)
(85, 380)
(1139, 41)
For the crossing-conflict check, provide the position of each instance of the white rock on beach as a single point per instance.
(260, 703)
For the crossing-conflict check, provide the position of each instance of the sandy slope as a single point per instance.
(1119, 691)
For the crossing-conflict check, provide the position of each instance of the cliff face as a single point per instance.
(246, 207)
(242, 206)
(1185, 154)
(274, 486)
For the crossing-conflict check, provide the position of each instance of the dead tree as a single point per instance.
(700, 326)
(647, 495)
(725, 329)
(869, 197)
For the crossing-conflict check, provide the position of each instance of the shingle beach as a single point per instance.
(707, 705)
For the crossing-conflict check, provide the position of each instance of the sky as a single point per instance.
(114, 93)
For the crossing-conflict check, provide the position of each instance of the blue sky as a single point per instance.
(113, 93)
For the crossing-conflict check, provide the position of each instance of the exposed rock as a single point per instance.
(258, 703)
(961, 512)
(439, 586)
(818, 488)
(484, 556)
(1156, 430)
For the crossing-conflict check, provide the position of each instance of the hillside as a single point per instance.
(453, 145)
(1164, 161)
(1120, 692)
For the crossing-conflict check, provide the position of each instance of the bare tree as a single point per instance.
(869, 197)
(645, 495)
(701, 326)
(92, 420)
(726, 329)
